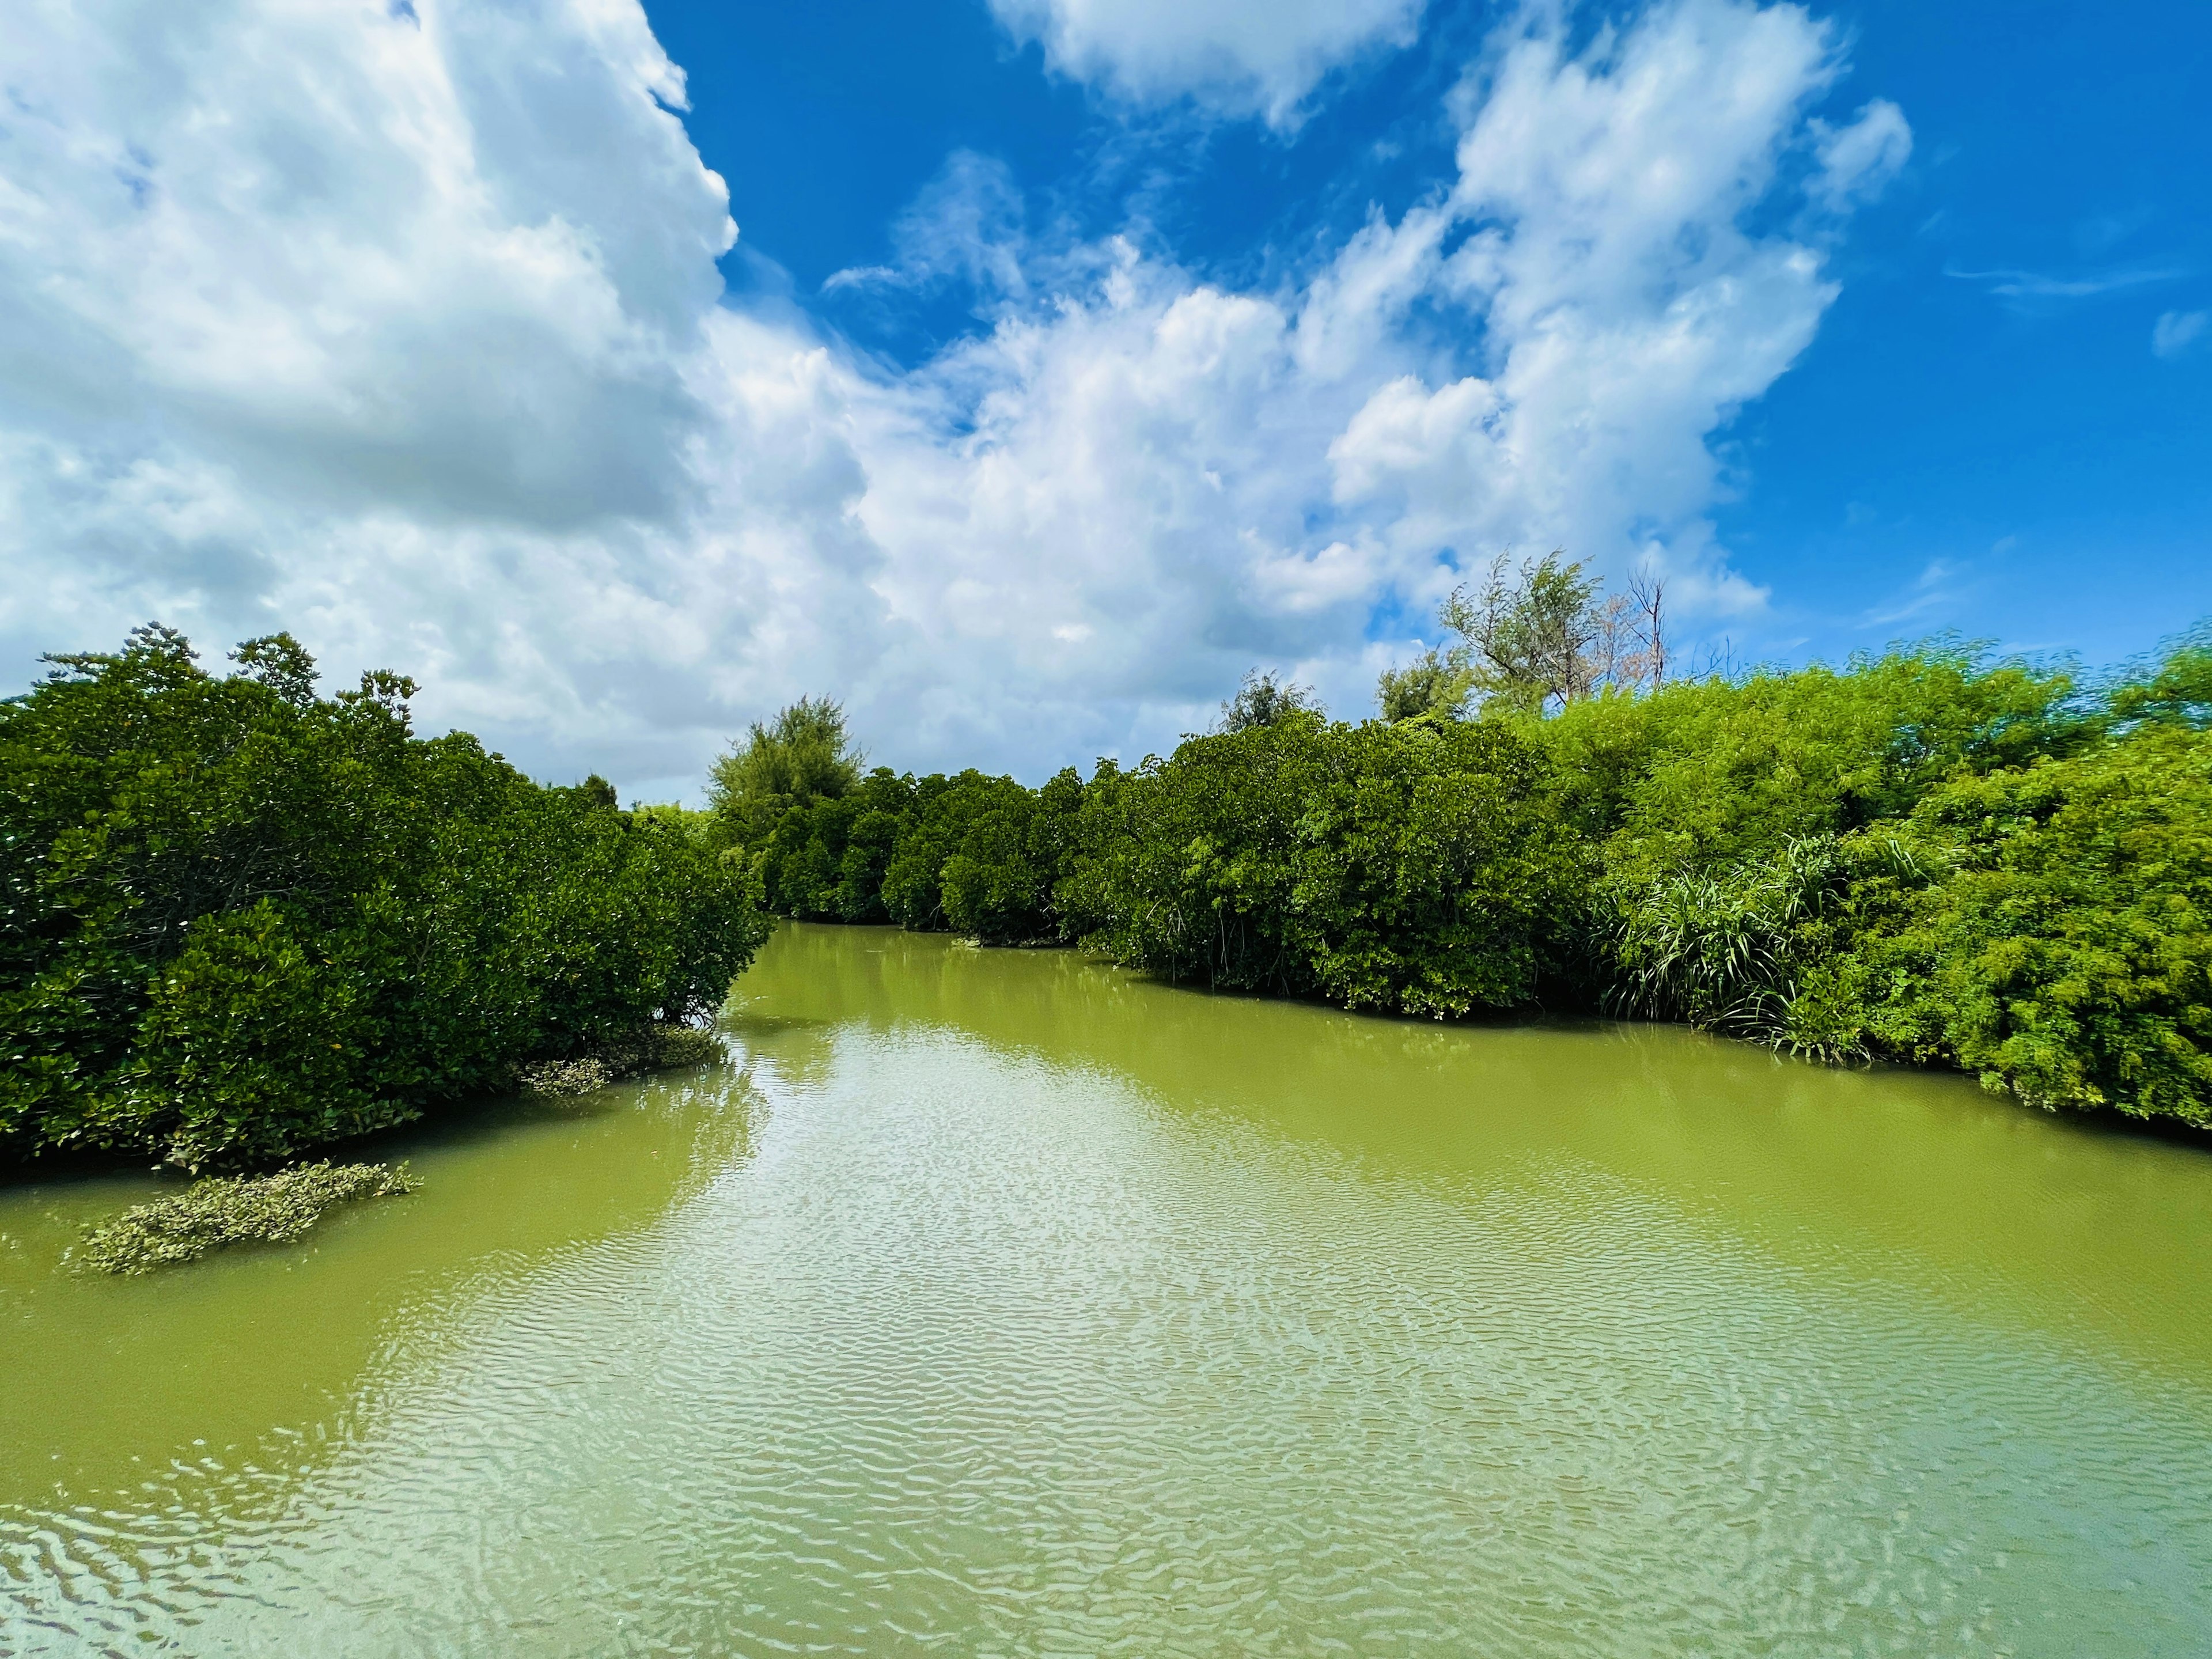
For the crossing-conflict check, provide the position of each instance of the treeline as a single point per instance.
(239, 919)
(1928, 856)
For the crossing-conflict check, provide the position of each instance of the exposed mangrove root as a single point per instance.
(222, 1209)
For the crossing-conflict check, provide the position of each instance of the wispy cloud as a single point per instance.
(2036, 285)
(965, 226)
(1857, 160)
(1935, 588)
(2175, 332)
(865, 276)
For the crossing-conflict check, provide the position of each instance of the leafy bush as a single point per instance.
(2024, 889)
(976, 830)
(243, 922)
(1726, 950)
(825, 859)
(1924, 856)
(1705, 775)
(1409, 868)
(973, 854)
(271, 1209)
(801, 757)
(2061, 947)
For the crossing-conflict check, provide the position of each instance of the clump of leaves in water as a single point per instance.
(676, 1046)
(209, 1214)
(661, 1048)
(564, 1077)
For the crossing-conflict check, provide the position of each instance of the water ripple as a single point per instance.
(970, 1350)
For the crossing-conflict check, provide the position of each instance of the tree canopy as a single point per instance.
(1926, 856)
(242, 921)
(802, 755)
(1263, 699)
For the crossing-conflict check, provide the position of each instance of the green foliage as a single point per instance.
(211, 1214)
(1924, 856)
(1388, 867)
(2054, 935)
(981, 857)
(1532, 637)
(1726, 950)
(242, 922)
(972, 853)
(826, 861)
(1428, 686)
(1263, 700)
(1924, 859)
(1707, 773)
(801, 757)
(1525, 632)
(690, 822)
(2178, 692)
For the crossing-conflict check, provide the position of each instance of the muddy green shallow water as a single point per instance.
(999, 1303)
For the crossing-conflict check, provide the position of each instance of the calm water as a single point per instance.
(999, 1303)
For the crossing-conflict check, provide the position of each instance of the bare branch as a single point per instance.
(1650, 593)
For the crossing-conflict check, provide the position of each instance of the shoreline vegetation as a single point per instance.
(243, 922)
(1931, 856)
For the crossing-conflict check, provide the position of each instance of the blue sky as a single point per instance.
(1021, 371)
(1982, 437)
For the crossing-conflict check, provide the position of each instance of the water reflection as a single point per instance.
(999, 1303)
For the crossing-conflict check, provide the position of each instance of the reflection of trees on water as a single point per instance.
(1976, 1198)
(141, 1378)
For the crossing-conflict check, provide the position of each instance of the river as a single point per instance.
(1000, 1302)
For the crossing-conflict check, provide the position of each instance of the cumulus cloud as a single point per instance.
(1230, 56)
(361, 258)
(405, 332)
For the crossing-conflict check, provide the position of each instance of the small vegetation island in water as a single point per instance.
(245, 921)
(222, 1209)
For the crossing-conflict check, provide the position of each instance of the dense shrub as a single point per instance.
(1412, 868)
(2053, 932)
(243, 920)
(1728, 950)
(825, 859)
(1923, 857)
(2022, 888)
(1702, 775)
(976, 854)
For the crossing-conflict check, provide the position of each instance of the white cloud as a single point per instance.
(1627, 313)
(407, 338)
(965, 226)
(1857, 161)
(2033, 290)
(1231, 56)
(2175, 332)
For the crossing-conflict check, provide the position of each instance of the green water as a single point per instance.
(1001, 1303)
